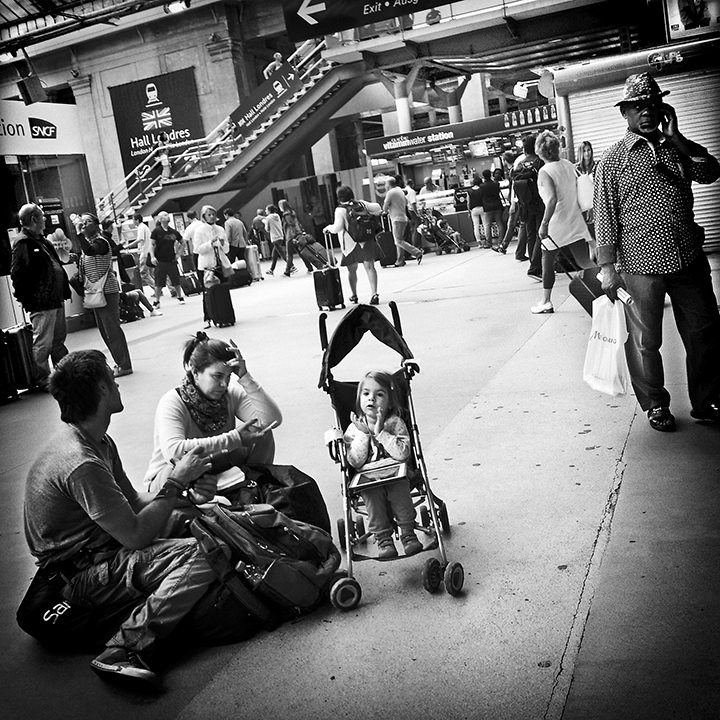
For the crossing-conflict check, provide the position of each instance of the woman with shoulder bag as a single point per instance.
(585, 171)
(102, 291)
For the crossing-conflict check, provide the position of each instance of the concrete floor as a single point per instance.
(589, 541)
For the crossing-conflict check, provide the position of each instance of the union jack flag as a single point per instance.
(156, 119)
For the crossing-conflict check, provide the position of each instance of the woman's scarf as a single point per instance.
(210, 416)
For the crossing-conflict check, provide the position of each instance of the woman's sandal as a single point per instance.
(354, 299)
(660, 418)
(375, 300)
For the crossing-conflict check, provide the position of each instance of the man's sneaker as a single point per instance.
(420, 257)
(269, 272)
(156, 313)
(119, 662)
(181, 300)
(293, 270)
(535, 276)
(156, 303)
(386, 549)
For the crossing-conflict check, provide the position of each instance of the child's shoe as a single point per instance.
(386, 548)
(411, 544)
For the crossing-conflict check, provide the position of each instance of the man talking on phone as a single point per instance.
(648, 242)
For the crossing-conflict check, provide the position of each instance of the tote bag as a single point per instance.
(95, 292)
(605, 368)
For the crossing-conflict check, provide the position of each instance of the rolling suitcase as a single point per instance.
(218, 306)
(585, 287)
(328, 288)
(387, 252)
(22, 361)
(313, 252)
(252, 261)
(8, 391)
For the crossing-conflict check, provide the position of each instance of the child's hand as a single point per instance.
(359, 423)
(379, 423)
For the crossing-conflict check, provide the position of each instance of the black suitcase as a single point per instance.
(240, 277)
(314, 253)
(585, 287)
(8, 391)
(328, 288)
(387, 251)
(22, 361)
(218, 305)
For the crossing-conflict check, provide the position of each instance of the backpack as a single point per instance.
(271, 563)
(362, 224)
(524, 179)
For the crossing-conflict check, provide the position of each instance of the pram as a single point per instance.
(435, 229)
(433, 522)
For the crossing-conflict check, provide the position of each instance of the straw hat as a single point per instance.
(641, 87)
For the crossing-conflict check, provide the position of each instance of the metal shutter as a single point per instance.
(696, 98)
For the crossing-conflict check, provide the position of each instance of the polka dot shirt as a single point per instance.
(643, 205)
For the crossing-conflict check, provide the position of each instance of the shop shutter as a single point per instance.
(696, 98)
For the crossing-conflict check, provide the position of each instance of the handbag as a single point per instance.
(605, 368)
(222, 269)
(94, 292)
(585, 189)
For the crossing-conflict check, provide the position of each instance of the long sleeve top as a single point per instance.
(643, 205)
(203, 239)
(175, 432)
(392, 441)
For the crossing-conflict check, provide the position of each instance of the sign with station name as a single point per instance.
(424, 140)
(307, 19)
(39, 129)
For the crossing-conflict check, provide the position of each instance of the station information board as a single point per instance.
(307, 19)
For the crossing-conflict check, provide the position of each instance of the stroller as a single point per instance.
(434, 229)
(345, 592)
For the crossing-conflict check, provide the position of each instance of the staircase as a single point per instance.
(225, 160)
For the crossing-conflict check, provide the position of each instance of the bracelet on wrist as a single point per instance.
(171, 489)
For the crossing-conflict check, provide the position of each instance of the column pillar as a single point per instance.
(402, 104)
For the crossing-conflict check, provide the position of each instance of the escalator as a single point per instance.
(239, 165)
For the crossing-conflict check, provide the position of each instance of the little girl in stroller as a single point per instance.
(377, 432)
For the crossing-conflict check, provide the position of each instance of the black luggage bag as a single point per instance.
(585, 287)
(190, 284)
(328, 288)
(8, 391)
(313, 252)
(387, 251)
(218, 306)
(22, 361)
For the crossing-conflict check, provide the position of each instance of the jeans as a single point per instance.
(534, 246)
(167, 577)
(698, 322)
(393, 498)
(49, 333)
(278, 253)
(488, 218)
(398, 230)
(108, 322)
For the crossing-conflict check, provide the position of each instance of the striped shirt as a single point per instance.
(643, 205)
(95, 266)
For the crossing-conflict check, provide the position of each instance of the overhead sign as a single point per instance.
(306, 19)
(424, 140)
(39, 129)
(146, 108)
(265, 99)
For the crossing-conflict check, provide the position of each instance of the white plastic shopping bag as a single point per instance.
(605, 367)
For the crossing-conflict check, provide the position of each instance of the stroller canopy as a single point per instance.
(349, 332)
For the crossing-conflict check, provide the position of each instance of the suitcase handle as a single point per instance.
(332, 261)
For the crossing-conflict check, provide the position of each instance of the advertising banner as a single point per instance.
(690, 18)
(265, 99)
(146, 108)
(39, 129)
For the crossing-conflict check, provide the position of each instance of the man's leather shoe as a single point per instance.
(710, 414)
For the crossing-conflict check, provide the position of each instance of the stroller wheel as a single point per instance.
(454, 578)
(345, 594)
(360, 528)
(425, 517)
(432, 575)
(444, 520)
(341, 533)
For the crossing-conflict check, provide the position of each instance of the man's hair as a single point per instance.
(391, 182)
(138, 217)
(345, 194)
(229, 212)
(529, 144)
(486, 174)
(27, 212)
(75, 384)
(192, 215)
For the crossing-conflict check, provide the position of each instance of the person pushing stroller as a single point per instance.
(377, 432)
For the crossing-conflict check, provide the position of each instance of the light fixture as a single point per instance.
(176, 6)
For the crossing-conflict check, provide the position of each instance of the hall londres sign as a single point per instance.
(307, 19)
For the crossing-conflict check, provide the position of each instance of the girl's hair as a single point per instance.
(271, 209)
(581, 156)
(205, 208)
(547, 146)
(284, 205)
(345, 194)
(202, 351)
(386, 382)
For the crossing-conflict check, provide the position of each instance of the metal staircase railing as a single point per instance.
(204, 158)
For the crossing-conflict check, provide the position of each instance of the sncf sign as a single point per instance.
(42, 129)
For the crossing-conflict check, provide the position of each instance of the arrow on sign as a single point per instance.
(306, 10)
